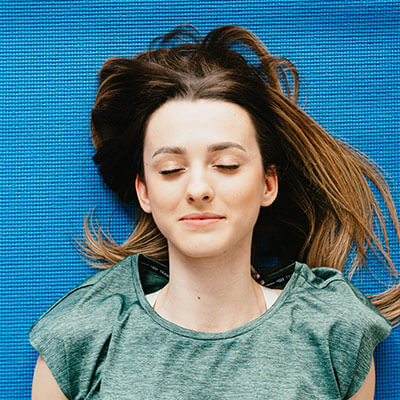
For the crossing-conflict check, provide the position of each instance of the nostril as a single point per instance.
(193, 197)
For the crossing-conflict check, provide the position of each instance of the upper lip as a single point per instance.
(201, 216)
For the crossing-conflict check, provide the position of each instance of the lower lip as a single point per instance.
(201, 222)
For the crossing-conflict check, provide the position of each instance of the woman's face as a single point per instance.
(202, 157)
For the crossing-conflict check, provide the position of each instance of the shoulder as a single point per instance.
(331, 287)
(346, 320)
(90, 301)
(76, 329)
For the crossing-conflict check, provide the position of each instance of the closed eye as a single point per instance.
(228, 166)
(171, 171)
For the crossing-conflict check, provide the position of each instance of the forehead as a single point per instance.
(199, 123)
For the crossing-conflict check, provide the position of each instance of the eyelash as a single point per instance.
(219, 166)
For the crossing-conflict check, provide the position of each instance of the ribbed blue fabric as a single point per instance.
(347, 54)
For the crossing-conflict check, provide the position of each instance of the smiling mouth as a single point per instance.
(201, 221)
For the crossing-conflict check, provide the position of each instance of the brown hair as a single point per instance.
(325, 207)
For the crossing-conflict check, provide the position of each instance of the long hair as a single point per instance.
(325, 208)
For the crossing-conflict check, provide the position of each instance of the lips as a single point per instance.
(198, 221)
(200, 216)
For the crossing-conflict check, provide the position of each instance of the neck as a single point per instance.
(212, 294)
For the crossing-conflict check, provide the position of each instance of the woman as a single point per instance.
(226, 170)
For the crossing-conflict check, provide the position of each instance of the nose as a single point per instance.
(199, 187)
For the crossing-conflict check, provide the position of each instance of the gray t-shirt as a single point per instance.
(103, 340)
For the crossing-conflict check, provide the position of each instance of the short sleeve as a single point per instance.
(354, 337)
(48, 336)
(71, 336)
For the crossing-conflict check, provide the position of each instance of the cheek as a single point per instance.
(245, 191)
(165, 198)
(161, 207)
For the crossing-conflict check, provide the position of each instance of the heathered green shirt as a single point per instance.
(103, 340)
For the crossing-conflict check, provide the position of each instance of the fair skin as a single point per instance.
(208, 265)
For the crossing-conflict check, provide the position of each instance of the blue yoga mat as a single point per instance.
(347, 54)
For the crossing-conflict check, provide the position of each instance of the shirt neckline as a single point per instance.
(270, 296)
(180, 330)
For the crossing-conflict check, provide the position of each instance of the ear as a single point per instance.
(270, 188)
(142, 195)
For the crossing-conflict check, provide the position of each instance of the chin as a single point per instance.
(202, 249)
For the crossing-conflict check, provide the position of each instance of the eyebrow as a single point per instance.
(211, 148)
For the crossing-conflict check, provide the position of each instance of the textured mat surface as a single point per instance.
(347, 54)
